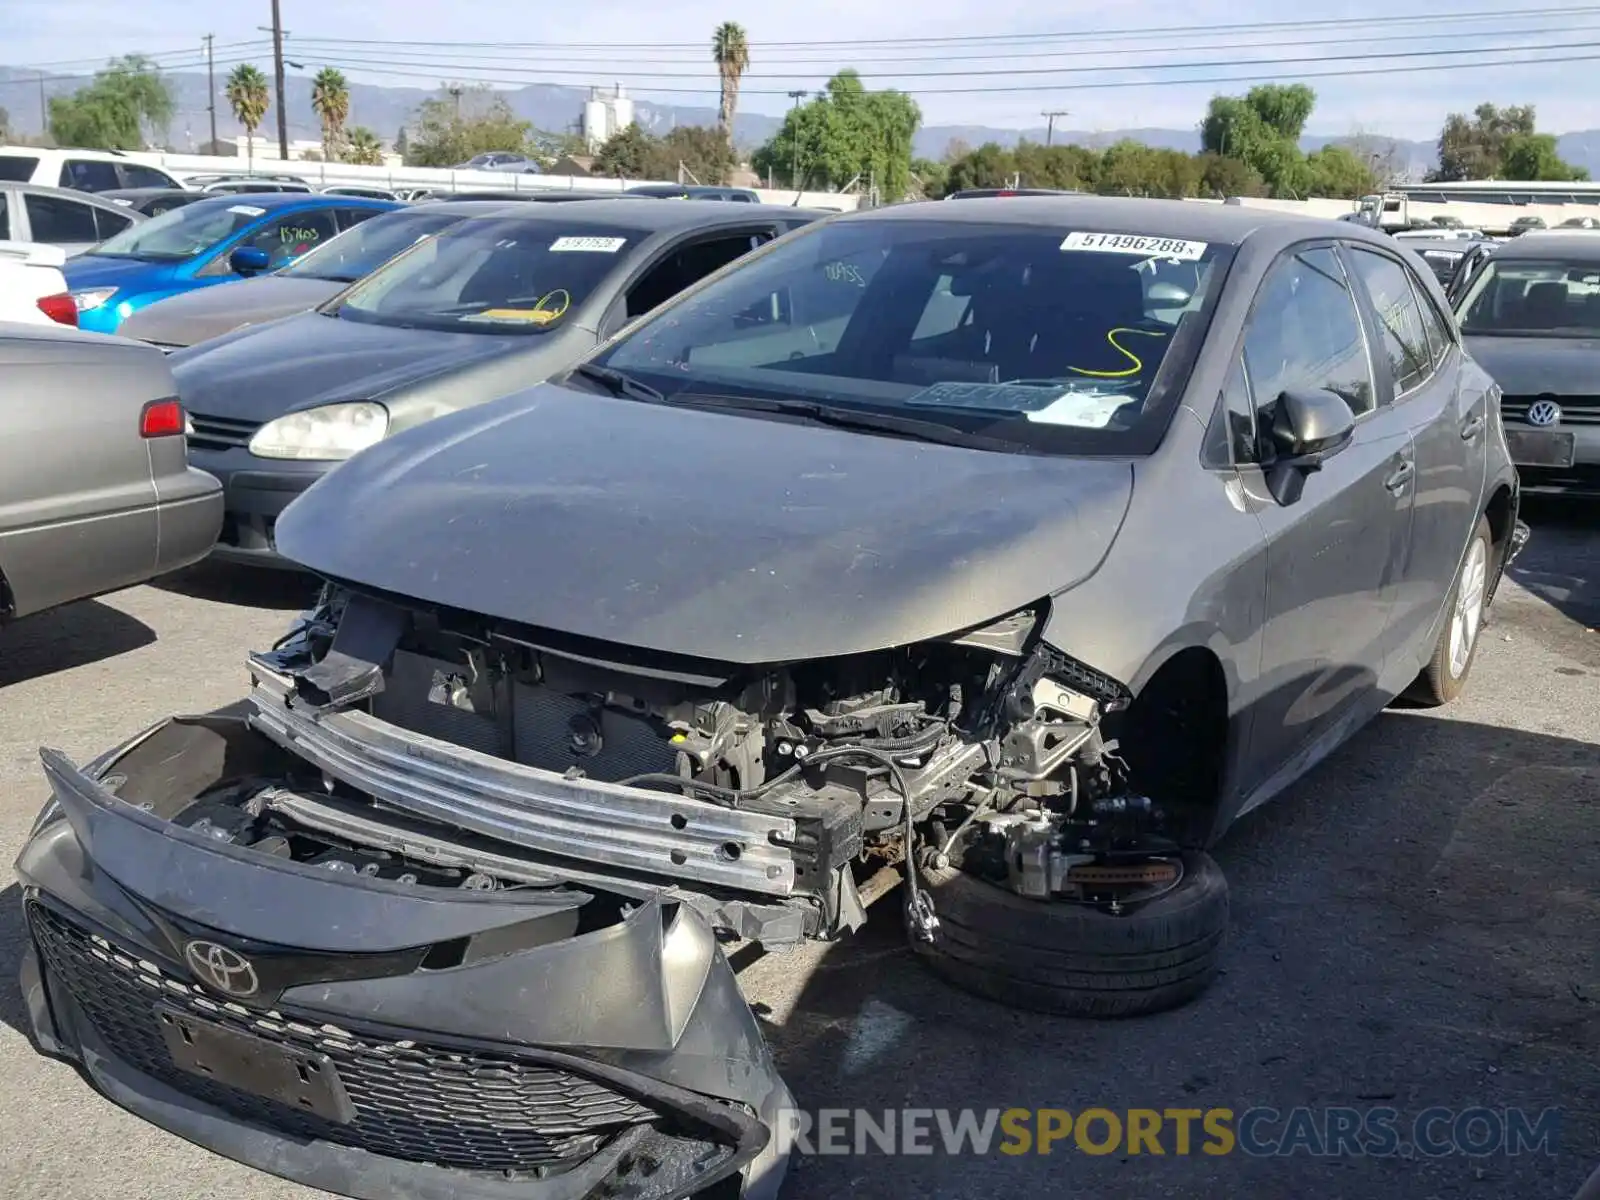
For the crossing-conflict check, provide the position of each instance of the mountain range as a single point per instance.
(557, 108)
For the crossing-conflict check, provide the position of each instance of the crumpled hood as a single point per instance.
(213, 311)
(96, 271)
(262, 372)
(712, 535)
(1525, 366)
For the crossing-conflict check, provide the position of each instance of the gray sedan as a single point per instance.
(95, 490)
(193, 317)
(490, 305)
(995, 554)
(62, 217)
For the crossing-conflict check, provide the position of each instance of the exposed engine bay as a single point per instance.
(803, 782)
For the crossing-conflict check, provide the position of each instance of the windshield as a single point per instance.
(1524, 298)
(1060, 339)
(364, 248)
(490, 276)
(182, 233)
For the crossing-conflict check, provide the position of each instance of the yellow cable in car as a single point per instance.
(1138, 363)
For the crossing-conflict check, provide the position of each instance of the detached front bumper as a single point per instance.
(375, 1039)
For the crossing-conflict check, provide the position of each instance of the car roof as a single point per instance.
(1573, 246)
(1224, 224)
(645, 218)
(272, 201)
(143, 193)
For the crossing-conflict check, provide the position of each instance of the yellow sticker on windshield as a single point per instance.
(536, 316)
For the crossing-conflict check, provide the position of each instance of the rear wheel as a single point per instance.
(1079, 959)
(1445, 676)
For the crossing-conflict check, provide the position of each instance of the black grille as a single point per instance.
(1575, 410)
(466, 1110)
(220, 433)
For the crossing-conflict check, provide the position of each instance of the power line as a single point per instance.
(425, 57)
(1268, 74)
(1388, 20)
(1203, 65)
(154, 56)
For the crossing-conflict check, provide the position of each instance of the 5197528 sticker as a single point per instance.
(1135, 243)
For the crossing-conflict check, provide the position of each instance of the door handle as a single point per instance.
(1399, 477)
(1471, 428)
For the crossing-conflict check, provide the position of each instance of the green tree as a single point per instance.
(247, 97)
(5, 125)
(451, 129)
(1340, 174)
(1069, 168)
(330, 100)
(1475, 147)
(1222, 176)
(114, 111)
(401, 146)
(928, 177)
(363, 148)
(730, 50)
(704, 155)
(1534, 156)
(630, 153)
(1262, 129)
(845, 135)
(991, 165)
(1131, 168)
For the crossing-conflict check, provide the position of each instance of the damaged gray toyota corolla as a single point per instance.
(870, 561)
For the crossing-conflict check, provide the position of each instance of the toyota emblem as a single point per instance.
(222, 968)
(1544, 412)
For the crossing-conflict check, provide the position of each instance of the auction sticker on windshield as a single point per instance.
(593, 245)
(247, 210)
(1134, 243)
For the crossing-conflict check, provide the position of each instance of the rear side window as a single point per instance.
(139, 176)
(89, 175)
(17, 168)
(5, 218)
(1405, 340)
(1433, 324)
(349, 217)
(109, 224)
(1305, 333)
(59, 222)
(686, 265)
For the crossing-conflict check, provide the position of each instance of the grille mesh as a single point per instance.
(220, 433)
(469, 1111)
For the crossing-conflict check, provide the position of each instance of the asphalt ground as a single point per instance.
(1415, 927)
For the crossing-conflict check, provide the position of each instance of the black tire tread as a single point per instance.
(1073, 959)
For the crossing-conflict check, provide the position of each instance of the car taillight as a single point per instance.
(1005, 193)
(161, 418)
(61, 308)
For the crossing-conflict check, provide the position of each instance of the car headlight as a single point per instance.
(329, 433)
(92, 298)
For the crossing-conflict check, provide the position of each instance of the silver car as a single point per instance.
(96, 492)
(62, 217)
(1531, 316)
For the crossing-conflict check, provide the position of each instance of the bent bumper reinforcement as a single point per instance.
(674, 837)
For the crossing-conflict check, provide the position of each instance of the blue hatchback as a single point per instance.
(208, 242)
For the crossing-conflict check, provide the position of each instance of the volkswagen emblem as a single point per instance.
(1544, 412)
(222, 968)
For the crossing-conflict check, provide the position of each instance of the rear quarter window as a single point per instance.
(89, 175)
(17, 168)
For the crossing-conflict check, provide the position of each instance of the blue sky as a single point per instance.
(662, 38)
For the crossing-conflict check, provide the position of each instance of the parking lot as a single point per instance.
(1414, 925)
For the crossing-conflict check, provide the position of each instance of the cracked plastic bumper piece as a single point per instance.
(375, 1040)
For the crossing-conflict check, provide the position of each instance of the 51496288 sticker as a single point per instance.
(1143, 245)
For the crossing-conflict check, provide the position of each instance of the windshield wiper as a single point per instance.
(617, 383)
(852, 418)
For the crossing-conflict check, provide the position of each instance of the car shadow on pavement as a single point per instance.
(1413, 925)
(1561, 564)
(73, 635)
(243, 586)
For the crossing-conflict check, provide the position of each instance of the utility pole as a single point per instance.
(455, 94)
(277, 79)
(211, 90)
(44, 109)
(1050, 116)
(794, 153)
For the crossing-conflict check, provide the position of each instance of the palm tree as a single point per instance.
(247, 96)
(365, 148)
(731, 52)
(330, 98)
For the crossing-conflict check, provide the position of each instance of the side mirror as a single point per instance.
(1308, 428)
(247, 260)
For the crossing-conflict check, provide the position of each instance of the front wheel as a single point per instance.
(1445, 676)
